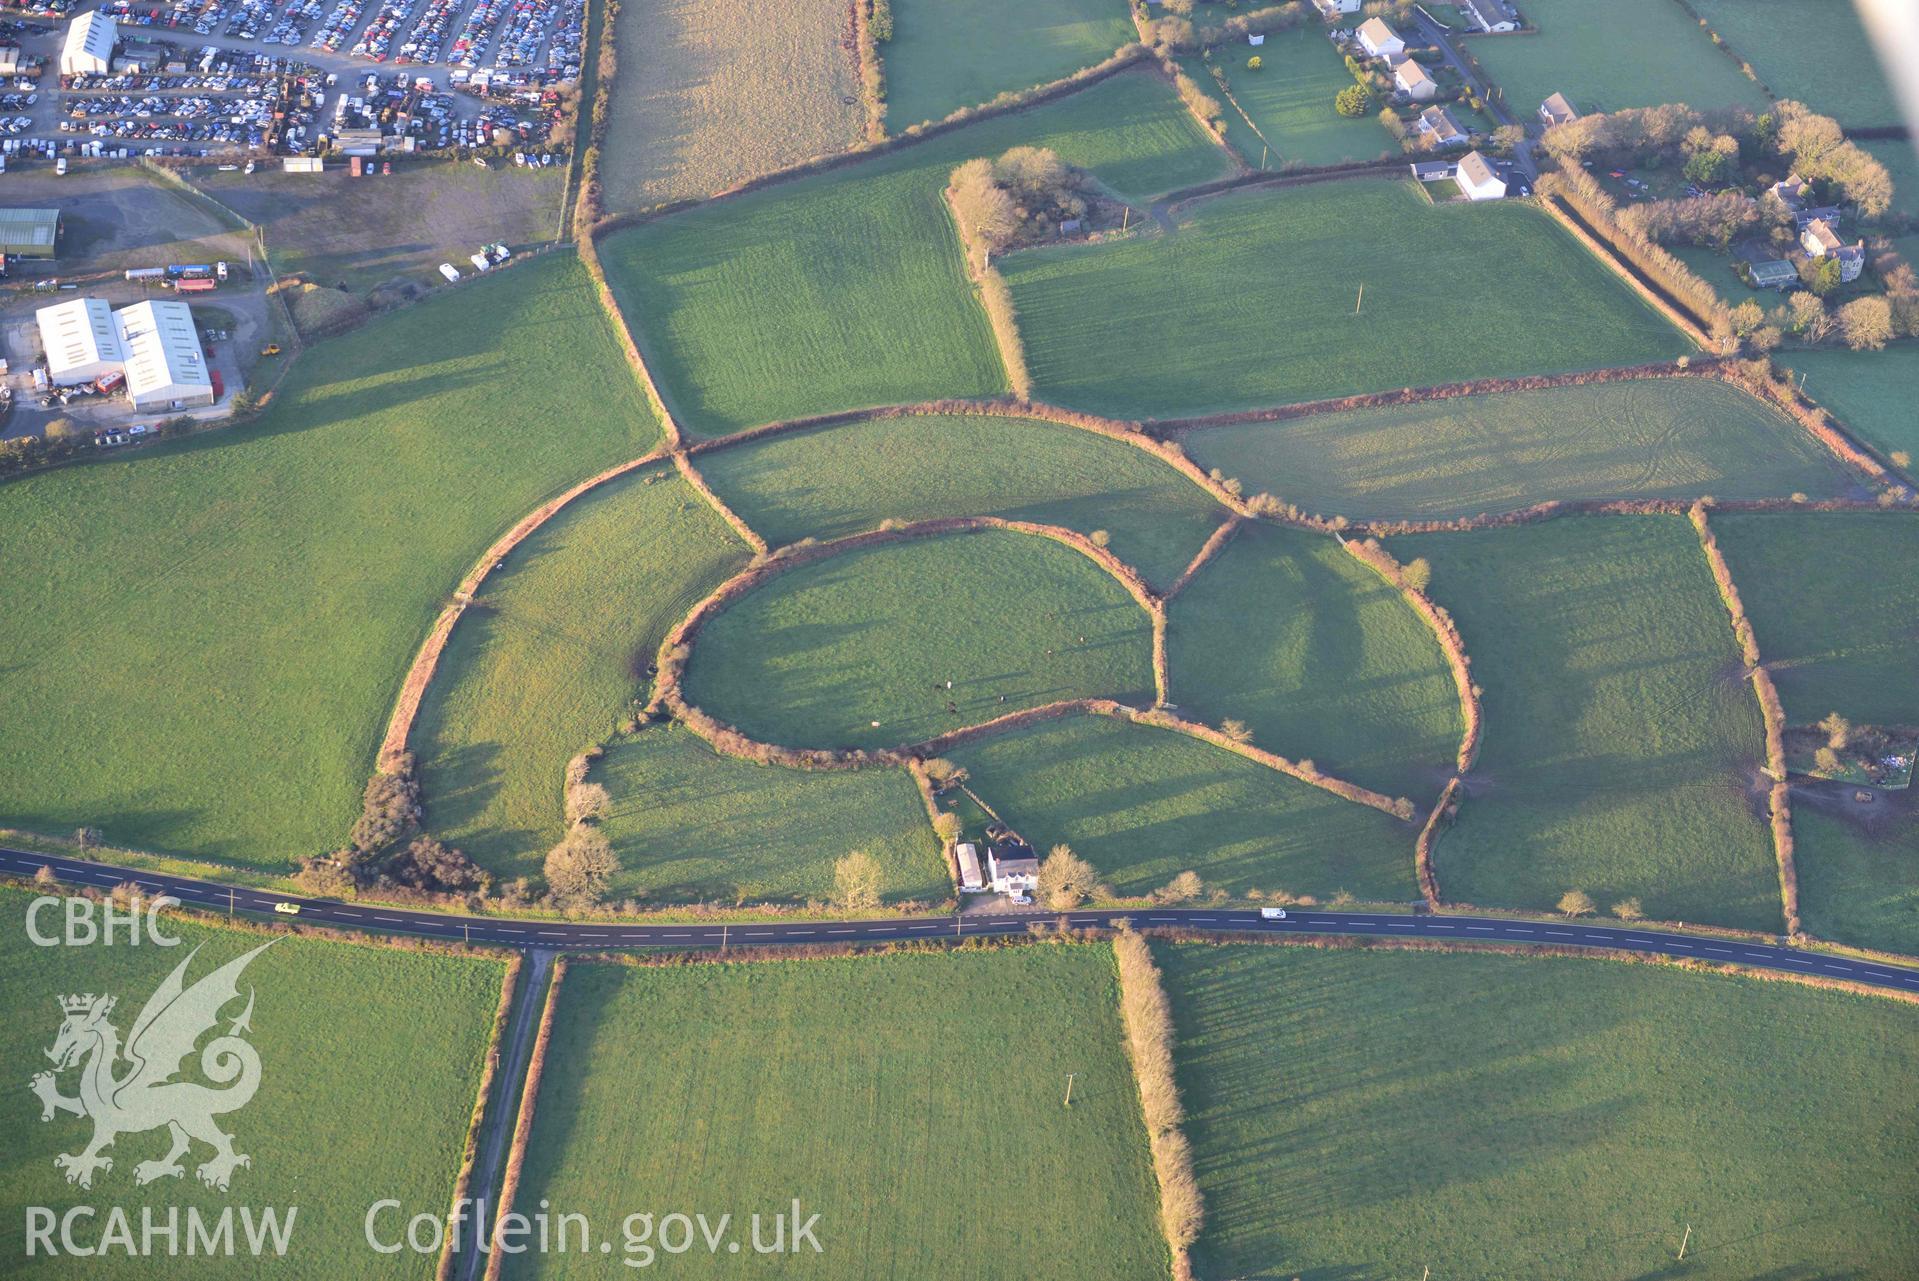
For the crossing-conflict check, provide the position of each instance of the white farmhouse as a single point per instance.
(1413, 81)
(1332, 9)
(165, 367)
(1013, 866)
(1380, 40)
(1478, 179)
(88, 50)
(80, 340)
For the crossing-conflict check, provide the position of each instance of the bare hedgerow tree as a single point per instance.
(581, 866)
(1183, 888)
(947, 827)
(1838, 732)
(1066, 880)
(1628, 909)
(1576, 903)
(856, 881)
(586, 801)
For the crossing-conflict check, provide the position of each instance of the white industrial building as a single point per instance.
(154, 344)
(165, 366)
(81, 341)
(89, 47)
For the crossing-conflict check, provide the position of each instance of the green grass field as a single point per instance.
(1859, 884)
(1832, 598)
(1366, 1115)
(847, 289)
(1143, 805)
(205, 638)
(691, 825)
(1817, 53)
(844, 479)
(1621, 746)
(943, 57)
(1320, 657)
(1676, 438)
(1624, 53)
(1290, 101)
(552, 655)
(1869, 391)
(912, 1102)
(816, 656)
(1250, 302)
(369, 1065)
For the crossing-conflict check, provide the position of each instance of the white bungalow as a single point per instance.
(1380, 40)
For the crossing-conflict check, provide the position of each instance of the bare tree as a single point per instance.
(1066, 880)
(856, 881)
(580, 867)
(1576, 903)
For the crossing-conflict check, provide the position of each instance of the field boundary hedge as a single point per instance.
(872, 70)
(1771, 711)
(996, 300)
(1654, 295)
(414, 686)
(1146, 1014)
(523, 1125)
(1124, 59)
(1214, 544)
(463, 1182)
(1362, 942)
(675, 651)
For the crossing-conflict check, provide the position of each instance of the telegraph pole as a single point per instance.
(1684, 1242)
(1069, 1088)
(229, 902)
(1357, 302)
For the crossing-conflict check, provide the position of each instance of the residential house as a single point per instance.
(1331, 9)
(1438, 124)
(1821, 241)
(1557, 111)
(1380, 40)
(1012, 866)
(1414, 81)
(1478, 179)
(1489, 15)
(1793, 192)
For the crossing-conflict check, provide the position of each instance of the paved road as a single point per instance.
(606, 935)
(1441, 39)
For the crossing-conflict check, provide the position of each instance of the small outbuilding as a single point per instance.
(29, 233)
(1380, 40)
(966, 854)
(1767, 269)
(1478, 179)
(88, 49)
(1557, 111)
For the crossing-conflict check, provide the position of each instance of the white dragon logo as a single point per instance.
(145, 1096)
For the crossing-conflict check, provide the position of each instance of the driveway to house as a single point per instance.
(1441, 39)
